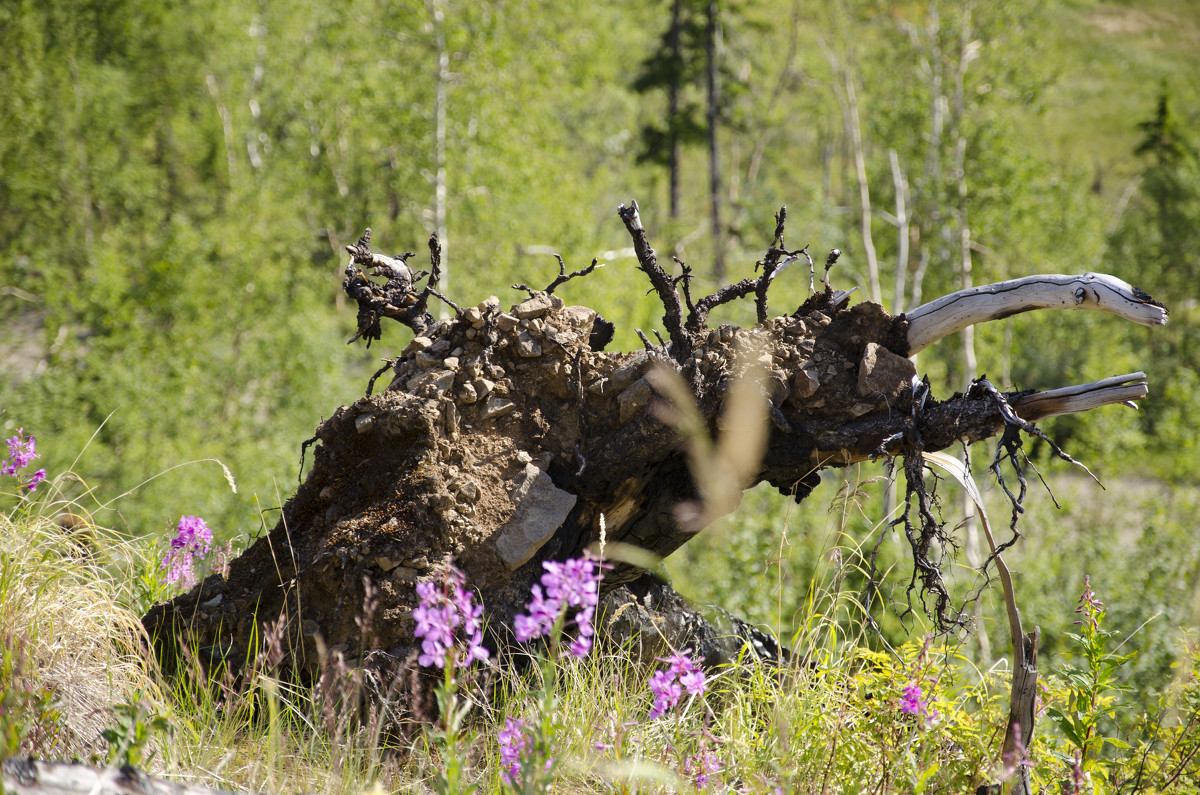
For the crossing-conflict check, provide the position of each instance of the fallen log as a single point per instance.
(508, 437)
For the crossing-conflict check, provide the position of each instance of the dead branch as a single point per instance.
(663, 284)
(931, 322)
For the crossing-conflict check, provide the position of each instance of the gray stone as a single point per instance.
(628, 372)
(883, 372)
(498, 407)
(534, 306)
(363, 422)
(428, 359)
(541, 509)
(443, 380)
(634, 399)
(527, 346)
(506, 322)
(468, 490)
(467, 393)
(474, 316)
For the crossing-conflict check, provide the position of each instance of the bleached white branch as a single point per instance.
(931, 322)
(1082, 397)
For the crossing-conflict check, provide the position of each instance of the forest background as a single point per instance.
(178, 181)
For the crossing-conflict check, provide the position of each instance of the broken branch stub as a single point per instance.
(506, 438)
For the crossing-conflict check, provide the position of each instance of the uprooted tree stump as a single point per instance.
(510, 437)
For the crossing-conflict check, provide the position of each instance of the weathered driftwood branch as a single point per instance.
(931, 322)
(32, 777)
(1123, 389)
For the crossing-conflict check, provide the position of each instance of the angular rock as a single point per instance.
(628, 372)
(506, 322)
(528, 346)
(443, 380)
(634, 399)
(541, 508)
(883, 372)
(805, 383)
(417, 344)
(498, 407)
(535, 306)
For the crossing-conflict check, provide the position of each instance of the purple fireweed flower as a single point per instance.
(571, 587)
(37, 478)
(702, 765)
(443, 613)
(681, 674)
(666, 691)
(514, 740)
(915, 703)
(20, 452)
(192, 542)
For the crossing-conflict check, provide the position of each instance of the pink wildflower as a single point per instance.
(567, 588)
(191, 543)
(443, 612)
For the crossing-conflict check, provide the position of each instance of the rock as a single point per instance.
(417, 344)
(363, 422)
(498, 407)
(883, 372)
(450, 363)
(527, 346)
(634, 399)
(628, 372)
(428, 359)
(598, 387)
(534, 306)
(443, 380)
(405, 574)
(541, 508)
(506, 322)
(556, 303)
(467, 393)
(579, 316)
(484, 386)
(385, 563)
(524, 457)
(468, 491)
(805, 383)
(474, 316)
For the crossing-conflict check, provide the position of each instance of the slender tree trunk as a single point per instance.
(443, 77)
(860, 174)
(902, 232)
(714, 160)
(673, 108)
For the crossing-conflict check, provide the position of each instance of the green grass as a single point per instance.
(69, 604)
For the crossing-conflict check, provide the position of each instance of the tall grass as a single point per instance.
(854, 713)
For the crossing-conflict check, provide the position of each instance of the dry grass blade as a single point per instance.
(83, 647)
(724, 468)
